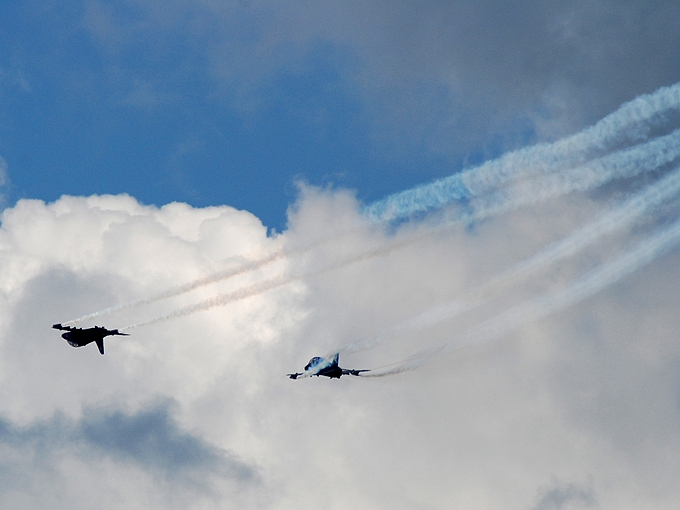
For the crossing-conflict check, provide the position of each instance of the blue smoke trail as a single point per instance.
(630, 123)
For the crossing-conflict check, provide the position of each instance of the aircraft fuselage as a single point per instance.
(328, 368)
(78, 337)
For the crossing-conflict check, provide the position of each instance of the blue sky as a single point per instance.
(517, 309)
(149, 118)
(233, 103)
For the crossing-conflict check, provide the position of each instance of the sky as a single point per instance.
(477, 201)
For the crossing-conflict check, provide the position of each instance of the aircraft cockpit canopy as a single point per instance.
(313, 362)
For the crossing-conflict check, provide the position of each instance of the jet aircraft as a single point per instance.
(321, 366)
(78, 337)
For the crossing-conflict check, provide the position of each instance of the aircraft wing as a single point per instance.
(350, 371)
(63, 328)
(299, 375)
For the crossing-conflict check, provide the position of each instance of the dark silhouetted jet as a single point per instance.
(79, 337)
(321, 366)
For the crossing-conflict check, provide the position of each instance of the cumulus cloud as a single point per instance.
(555, 387)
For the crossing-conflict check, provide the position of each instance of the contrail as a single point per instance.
(258, 264)
(210, 279)
(623, 164)
(220, 300)
(532, 310)
(656, 194)
(630, 123)
(634, 116)
(244, 268)
(182, 289)
(616, 219)
(273, 283)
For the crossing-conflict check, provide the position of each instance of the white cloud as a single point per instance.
(574, 410)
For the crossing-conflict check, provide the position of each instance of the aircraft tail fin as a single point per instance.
(100, 345)
(336, 359)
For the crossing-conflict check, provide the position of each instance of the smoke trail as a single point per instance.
(616, 219)
(252, 290)
(619, 165)
(626, 163)
(532, 310)
(210, 279)
(654, 195)
(207, 280)
(182, 289)
(622, 164)
(259, 288)
(411, 363)
(219, 300)
(630, 123)
(609, 222)
(590, 284)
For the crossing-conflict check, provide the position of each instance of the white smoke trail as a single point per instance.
(219, 300)
(532, 310)
(244, 268)
(183, 289)
(632, 209)
(616, 219)
(619, 165)
(630, 123)
(636, 115)
(273, 283)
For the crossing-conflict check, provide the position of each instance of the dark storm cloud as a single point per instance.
(149, 438)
